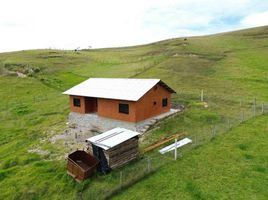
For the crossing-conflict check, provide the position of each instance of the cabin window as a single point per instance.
(76, 102)
(164, 102)
(123, 108)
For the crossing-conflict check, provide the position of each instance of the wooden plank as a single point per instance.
(120, 154)
(126, 143)
(163, 141)
(124, 155)
(122, 162)
(123, 149)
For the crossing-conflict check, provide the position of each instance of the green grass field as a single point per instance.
(231, 68)
(233, 166)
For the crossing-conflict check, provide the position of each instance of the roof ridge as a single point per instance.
(130, 89)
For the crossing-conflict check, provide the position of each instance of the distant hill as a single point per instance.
(231, 68)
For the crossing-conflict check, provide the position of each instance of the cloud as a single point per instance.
(257, 19)
(68, 24)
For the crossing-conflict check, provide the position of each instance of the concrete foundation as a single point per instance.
(100, 124)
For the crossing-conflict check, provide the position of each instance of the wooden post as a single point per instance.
(254, 107)
(121, 179)
(242, 115)
(211, 131)
(202, 95)
(262, 108)
(175, 152)
(81, 195)
(148, 165)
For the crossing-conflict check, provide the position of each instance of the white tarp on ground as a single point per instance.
(178, 145)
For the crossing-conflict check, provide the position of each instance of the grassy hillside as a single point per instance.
(233, 166)
(231, 68)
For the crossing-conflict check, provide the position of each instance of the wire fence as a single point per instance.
(105, 186)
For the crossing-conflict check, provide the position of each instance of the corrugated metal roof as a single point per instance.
(115, 88)
(113, 137)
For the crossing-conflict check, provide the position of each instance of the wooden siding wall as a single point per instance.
(120, 154)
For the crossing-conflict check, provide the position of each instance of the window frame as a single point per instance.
(76, 102)
(123, 110)
(164, 102)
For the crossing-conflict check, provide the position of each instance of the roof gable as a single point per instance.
(115, 88)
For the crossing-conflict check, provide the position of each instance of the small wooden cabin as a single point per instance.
(114, 148)
(124, 99)
(81, 165)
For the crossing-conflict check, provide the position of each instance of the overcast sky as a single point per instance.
(67, 24)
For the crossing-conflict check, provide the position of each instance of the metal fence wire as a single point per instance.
(147, 164)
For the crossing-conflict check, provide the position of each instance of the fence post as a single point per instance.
(242, 115)
(202, 95)
(175, 152)
(121, 179)
(262, 108)
(148, 165)
(212, 131)
(254, 107)
(81, 195)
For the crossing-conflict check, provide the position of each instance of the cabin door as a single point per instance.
(91, 105)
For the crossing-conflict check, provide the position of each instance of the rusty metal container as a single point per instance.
(81, 165)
